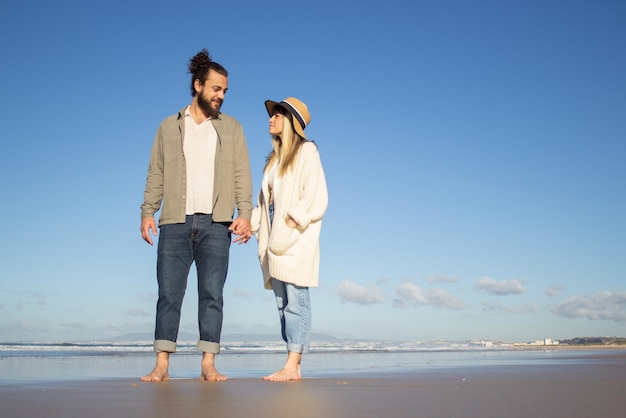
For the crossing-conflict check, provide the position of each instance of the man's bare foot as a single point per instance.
(209, 372)
(156, 375)
(160, 372)
(284, 375)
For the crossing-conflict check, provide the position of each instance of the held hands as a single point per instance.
(241, 228)
(147, 225)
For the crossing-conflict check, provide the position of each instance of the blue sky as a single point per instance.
(474, 153)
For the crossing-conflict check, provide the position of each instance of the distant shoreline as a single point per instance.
(577, 347)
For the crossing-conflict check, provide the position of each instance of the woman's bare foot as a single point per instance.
(160, 372)
(283, 375)
(290, 371)
(209, 372)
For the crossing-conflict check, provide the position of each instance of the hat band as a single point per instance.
(296, 114)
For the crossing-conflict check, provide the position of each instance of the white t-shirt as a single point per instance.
(199, 149)
(270, 179)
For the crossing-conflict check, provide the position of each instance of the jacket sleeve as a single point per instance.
(153, 194)
(313, 194)
(243, 176)
(255, 220)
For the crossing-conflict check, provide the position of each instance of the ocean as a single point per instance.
(32, 362)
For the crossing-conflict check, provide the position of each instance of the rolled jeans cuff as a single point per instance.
(208, 347)
(297, 348)
(164, 345)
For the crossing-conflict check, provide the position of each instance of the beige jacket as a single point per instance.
(166, 181)
(286, 254)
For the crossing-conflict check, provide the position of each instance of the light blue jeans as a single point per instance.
(294, 311)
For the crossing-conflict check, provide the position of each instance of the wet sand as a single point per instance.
(586, 386)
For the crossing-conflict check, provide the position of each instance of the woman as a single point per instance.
(287, 222)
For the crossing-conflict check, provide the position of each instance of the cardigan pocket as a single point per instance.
(282, 238)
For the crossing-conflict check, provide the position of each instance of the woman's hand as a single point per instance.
(291, 223)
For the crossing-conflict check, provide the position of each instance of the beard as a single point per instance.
(207, 109)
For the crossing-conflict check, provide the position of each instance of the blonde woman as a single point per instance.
(287, 222)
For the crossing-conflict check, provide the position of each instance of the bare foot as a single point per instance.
(156, 375)
(160, 372)
(290, 371)
(284, 375)
(209, 372)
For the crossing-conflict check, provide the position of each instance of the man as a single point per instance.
(199, 171)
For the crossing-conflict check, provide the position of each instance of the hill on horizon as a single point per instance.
(187, 336)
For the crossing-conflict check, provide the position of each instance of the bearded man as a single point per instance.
(199, 173)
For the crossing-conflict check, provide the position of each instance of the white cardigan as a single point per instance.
(292, 255)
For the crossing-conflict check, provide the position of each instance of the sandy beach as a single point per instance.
(589, 384)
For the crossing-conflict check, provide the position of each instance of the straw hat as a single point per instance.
(296, 108)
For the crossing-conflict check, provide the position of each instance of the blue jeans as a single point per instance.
(294, 310)
(207, 243)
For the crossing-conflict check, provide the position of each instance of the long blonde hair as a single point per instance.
(285, 148)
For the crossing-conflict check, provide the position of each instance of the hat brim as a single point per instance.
(270, 105)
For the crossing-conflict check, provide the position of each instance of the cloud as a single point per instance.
(499, 288)
(495, 306)
(21, 325)
(410, 293)
(239, 293)
(75, 326)
(351, 292)
(438, 278)
(136, 312)
(147, 298)
(599, 306)
(555, 290)
(530, 308)
(383, 281)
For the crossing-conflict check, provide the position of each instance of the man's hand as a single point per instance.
(241, 228)
(147, 225)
